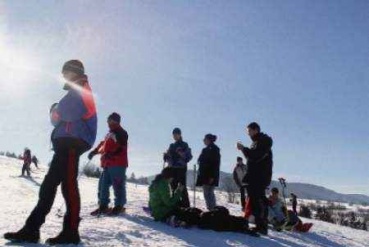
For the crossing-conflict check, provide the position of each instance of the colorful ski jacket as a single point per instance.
(75, 114)
(114, 148)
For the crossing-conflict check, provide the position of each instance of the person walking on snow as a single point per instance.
(114, 161)
(26, 162)
(209, 166)
(75, 122)
(177, 156)
(294, 203)
(239, 173)
(259, 174)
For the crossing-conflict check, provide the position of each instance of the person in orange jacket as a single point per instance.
(114, 161)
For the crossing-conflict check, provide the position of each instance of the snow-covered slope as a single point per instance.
(19, 195)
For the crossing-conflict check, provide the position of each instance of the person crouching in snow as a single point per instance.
(277, 210)
(164, 204)
(114, 161)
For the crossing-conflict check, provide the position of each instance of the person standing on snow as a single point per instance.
(259, 174)
(239, 173)
(35, 161)
(114, 161)
(26, 162)
(75, 121)
(209, 166)
(294, 203)
(177, 156)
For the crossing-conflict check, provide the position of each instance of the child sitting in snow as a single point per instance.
(276, 210)
(281, 218)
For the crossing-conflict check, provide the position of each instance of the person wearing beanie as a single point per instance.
(258, 177)
(114, 161)
(209, 166)
(75, 125)
(177, 156)
(239, 173)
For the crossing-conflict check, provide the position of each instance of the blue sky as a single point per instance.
(299, 68)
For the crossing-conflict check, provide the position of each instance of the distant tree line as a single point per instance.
(337, 214)
(10, 155)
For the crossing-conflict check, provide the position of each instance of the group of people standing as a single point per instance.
(74, 119)
(254, 177)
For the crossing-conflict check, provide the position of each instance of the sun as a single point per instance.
(19, 68)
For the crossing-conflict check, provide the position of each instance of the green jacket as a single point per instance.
(161, 201)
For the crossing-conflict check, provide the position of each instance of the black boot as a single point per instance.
(65, 237)
(101, 210)
(23, 235)
(117, 210)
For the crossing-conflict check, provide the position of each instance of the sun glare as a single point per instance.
(18, 69)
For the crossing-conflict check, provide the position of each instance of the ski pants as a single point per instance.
(26, 168)
(180, 177)
(259, 204)
(243, 197)
(113, 176)
(63, 170)
(209, 196)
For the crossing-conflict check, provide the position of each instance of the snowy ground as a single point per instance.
(19, 195)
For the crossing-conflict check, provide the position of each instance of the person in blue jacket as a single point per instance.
(177, 156)
(75, 125)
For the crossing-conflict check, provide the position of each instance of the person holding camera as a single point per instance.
(259, 174)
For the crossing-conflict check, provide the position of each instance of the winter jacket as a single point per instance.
(174, 157)
(113, 149)
(275, 210)
(239, 173)
(209, 165)
(259, 161)
(27, 157)
(161, 201)
(75, 114)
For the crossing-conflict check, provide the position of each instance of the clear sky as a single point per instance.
(299, 68)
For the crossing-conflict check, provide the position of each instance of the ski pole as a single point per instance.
(194, 185)
(282, 181)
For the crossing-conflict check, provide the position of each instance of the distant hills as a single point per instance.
(302, 190)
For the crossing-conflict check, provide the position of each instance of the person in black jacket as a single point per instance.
(209, 165)
(259, 173)
(177, 156)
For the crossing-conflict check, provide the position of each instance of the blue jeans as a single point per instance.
(209, 196)
(112, 176)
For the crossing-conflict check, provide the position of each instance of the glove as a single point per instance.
(91, 155)
(165, 157)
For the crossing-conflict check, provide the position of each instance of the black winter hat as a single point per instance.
(114, 117)
(75, 66)
(177, 131)
(275, 190)
(211, 137)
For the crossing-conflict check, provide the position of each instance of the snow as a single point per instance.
(136, 228)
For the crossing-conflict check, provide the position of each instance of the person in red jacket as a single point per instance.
(26, 162)
(114, 161)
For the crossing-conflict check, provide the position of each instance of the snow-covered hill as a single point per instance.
(19, 195)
